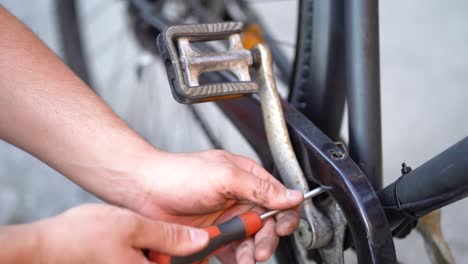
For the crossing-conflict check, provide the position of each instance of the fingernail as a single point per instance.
(198, 236)
(294, 195)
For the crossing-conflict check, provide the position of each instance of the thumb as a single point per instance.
(172, 239)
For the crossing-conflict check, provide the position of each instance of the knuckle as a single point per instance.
(128, 223)
(264, 190)
(288, 221)
(229, 174)
(244, 252)
(219, 153)
(225, 180)
(265, 187)
(172, 235)
(257, 170)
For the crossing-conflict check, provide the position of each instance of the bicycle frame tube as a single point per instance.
(319, 86)
(363, 83)
(341, 55)
(438, 182)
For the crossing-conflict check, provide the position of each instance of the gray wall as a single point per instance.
(424, 77)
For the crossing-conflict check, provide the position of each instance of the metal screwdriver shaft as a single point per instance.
(307, 195)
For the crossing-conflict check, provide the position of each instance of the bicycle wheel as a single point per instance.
(112, 49)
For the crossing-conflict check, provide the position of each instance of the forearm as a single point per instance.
(47, 111)
(20, 244)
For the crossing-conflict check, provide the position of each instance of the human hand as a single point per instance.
(205, 188)
(98, 233)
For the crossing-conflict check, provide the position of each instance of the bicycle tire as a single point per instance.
(75, 57)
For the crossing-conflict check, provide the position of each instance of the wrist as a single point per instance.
(116, 177)
(149, 179)
(131, 184)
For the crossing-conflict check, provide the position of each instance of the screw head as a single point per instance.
(304, 234)
(336, 154)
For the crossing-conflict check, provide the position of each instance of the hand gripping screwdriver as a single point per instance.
(237, 228)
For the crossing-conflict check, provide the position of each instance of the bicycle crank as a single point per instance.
(186, 63)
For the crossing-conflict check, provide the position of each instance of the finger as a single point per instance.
(267, 193)
(233, 211)
(245, 252)
(287, 222)
(227, 255)
(133, 256)
(266, 241)
(168, 238)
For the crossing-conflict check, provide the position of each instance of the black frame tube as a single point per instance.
(363, 83)
(318, 84)
(440, 181)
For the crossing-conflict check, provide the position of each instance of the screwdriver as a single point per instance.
(239, 227)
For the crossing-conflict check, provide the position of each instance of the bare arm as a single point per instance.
(49, 112)
(46, 110)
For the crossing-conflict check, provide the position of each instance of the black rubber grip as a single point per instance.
(438, 182)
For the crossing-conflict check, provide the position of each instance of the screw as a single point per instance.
(336, 154)
(304, 234)
(405, 169)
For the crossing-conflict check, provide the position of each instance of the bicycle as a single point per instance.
(314, 117)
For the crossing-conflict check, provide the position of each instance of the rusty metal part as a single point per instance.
(436, 245)
(281, 148)
(304, 234)
(236, 59)
(184, 69)
(333, 253)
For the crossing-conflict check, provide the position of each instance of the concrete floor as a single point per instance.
(424, 77)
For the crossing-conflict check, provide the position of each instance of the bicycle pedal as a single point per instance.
(185, 64)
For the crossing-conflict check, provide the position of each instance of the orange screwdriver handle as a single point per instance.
(239, 227)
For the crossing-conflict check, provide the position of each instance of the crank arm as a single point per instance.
(283, 154)
(185, 65)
